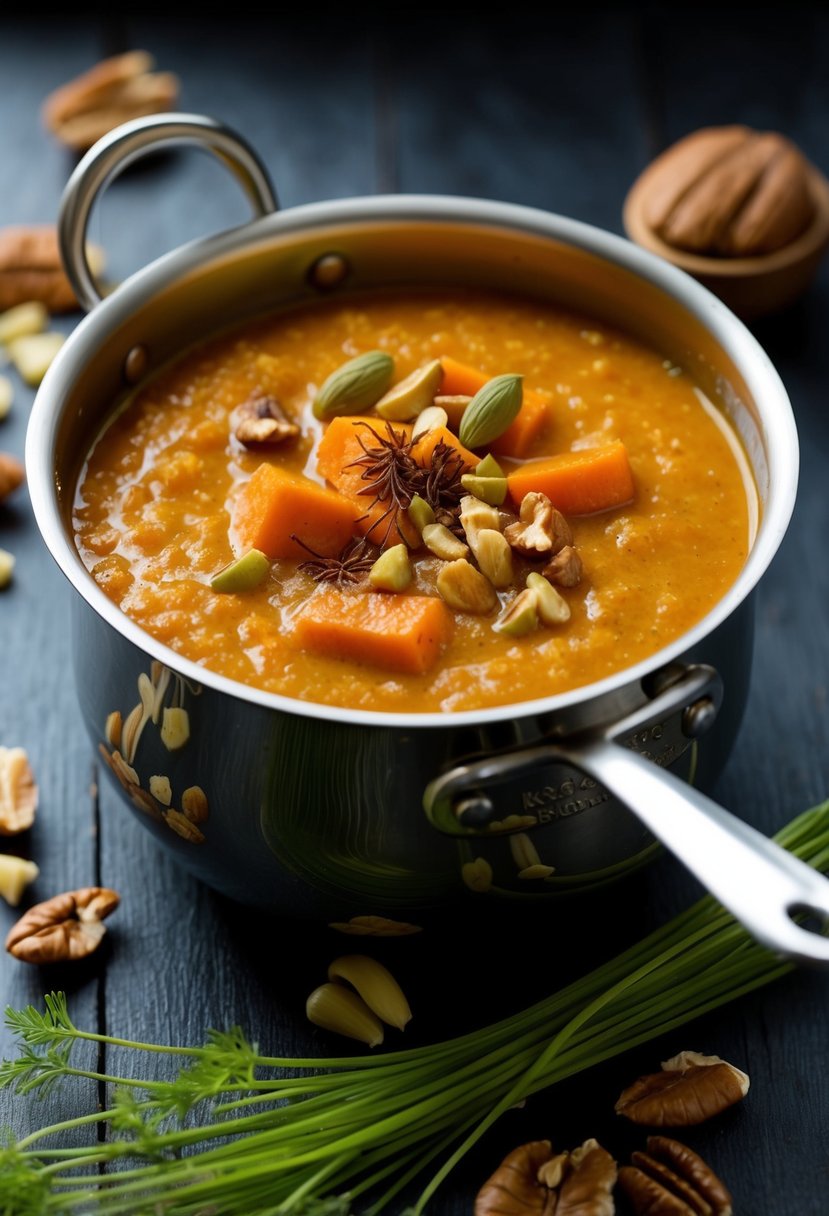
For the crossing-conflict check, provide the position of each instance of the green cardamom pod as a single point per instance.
(493, 408)
(356, 386)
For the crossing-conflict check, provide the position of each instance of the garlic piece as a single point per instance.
(33, 354)
(376, 985)
(336, 1008)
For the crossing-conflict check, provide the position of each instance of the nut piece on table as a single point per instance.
(31, 269)
(18, 792)
(375, 926)
(261, 422)
(112, 92)
(465, 589)
(531, 1181)
(541, 530)
(15, 875)
(67, 927)
(690, 1089)
(565, 568)
(670, 1178)
(7, 564)
(12, 474)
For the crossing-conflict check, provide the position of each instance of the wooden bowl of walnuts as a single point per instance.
(742, 211)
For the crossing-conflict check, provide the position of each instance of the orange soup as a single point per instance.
(425, 502)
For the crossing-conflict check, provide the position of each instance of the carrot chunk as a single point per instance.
(274, 505)
(461, 380)
(339, 446)
(422, 450)
(404, 633)
(578, 483)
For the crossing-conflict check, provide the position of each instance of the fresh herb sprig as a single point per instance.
(317, 1137)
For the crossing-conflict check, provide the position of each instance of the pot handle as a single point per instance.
(761, 884)
(130, 142)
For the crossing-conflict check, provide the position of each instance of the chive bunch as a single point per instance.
(236, 1131)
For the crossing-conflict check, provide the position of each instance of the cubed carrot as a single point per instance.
(462, 380)
(403, 633)
(422, 450)
(274, 506)
(339, 447)
(578, 483)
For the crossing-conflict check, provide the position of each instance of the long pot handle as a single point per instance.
(130, 142)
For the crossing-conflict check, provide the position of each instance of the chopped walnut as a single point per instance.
(565, 568)
(12, 474)
(671, 1178)
(540, 530)
(690, 1089)
(69, 926)
(531, 1181)
(260, 422)
(18, 792)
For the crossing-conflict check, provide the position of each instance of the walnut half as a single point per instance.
(260, 422)
(690, 1089)
(671, 1178)
(532, 1181)
(66, 927)
(541, 530)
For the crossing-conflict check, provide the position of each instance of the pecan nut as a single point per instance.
(730, 190)
(114, 91)
(31, 269)
(672, 1178)
(690, 1089)
(540, 530)
(12, 474)
(532, 1181)
(69, 926)
(565, 568)
(18, 792)
(261, 422)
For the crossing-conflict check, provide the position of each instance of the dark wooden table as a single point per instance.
(560, 115)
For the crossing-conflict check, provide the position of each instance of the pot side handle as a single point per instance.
(129, 142)
(765, 887)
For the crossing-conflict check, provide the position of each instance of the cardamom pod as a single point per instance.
(356, 386)
(493, 408)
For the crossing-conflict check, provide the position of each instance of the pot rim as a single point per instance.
(730, 333)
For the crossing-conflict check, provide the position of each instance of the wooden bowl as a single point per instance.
(751, 287)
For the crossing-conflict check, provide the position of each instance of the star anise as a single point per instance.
(443, 489)
(392, 474)
(358, 556)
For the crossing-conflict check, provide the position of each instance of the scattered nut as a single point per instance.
(540, 528)
(161, 790)
(7, 564)
(6, 397)
(494, 557)
(31, 270)
(565, 568)
(261, 422)
(12, 474)
(442, 543)
(194, 804)
(392, 571)
(182, 826)
(375, 926)
(336, 1008)
(144, 801)
(175, 728)
(112, 92)
(18, 792)
(376, 985)
(533, 1182)
(429, 420)
(124, 772)
(465, 589)
(477, 875)
(15, 875)
(34, 355)
(670, 1173)
(476, 517)
(690, 1089)
(553, 609)
(23, 319)
(519, 617)
(69, 926)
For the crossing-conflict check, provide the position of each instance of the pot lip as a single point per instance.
(727, 330)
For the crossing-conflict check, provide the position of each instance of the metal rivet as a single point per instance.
(474, 812)
(135, 364)
(697, 718)
(328, 271)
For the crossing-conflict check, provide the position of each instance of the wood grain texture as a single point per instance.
(557, 114)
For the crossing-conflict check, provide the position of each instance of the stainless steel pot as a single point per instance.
(337, 813)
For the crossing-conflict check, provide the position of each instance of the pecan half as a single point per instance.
(12, 474)
(672, 1178)
(112, 92)
(31, 269)
(565, 569)
(531, 1181)
(260, 422)
(690, 1089)
(18, 792)
(541, 530)
(69, 926)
